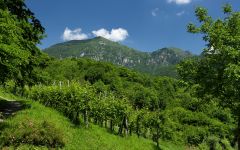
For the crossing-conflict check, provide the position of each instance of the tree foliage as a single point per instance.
(20, 32)
(217, 71)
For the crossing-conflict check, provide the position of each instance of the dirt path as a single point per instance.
(9, 108)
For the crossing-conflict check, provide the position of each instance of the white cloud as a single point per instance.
(154, 12)
(179, 2)
(180, 13)
(76, 34)
(115, 35)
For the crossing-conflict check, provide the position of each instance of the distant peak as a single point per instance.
(101, 38)
(173, 49)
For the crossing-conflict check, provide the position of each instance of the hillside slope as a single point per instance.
(160, 62)
(74, 137)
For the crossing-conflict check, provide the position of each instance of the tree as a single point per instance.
(217, 71)
(156, 121)
(20, 32)
(11, 54)
(33, 30)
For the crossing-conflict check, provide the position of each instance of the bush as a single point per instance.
(32, 133)
(195, 136)
(71, 101)
(226, 144)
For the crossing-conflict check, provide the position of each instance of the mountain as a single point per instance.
(160, 62)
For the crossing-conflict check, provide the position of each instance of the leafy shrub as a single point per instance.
(32, 133)
(226, 144)
(71, 101)
(203, 146)
(195, 136)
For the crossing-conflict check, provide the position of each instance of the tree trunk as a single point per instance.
(101, 122)
(158, 137)
(145, 133)
(22, 91)
(21, 88)
(105, 123)
(130, 130)
(238, 134)
(138, 128)
(86, 118)
(95, 120)
(111, 125)
(120, 129)
(157, 144)
(126, 125)
(77, 121)
(15, 89)
(74, 117)
(155, 138)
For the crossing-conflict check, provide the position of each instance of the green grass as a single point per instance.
(7, 96)
(93, 138)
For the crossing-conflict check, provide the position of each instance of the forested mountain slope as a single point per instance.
(159, 62)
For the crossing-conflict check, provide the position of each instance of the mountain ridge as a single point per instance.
(101, 49)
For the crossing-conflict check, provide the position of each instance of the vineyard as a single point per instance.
(83, 105)
(77, 102)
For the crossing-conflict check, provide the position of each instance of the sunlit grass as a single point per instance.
(78, 137)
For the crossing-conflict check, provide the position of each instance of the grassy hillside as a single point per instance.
(73, 136)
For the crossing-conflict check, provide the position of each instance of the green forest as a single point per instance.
(80, 103)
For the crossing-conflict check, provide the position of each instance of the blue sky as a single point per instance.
(146, 25)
